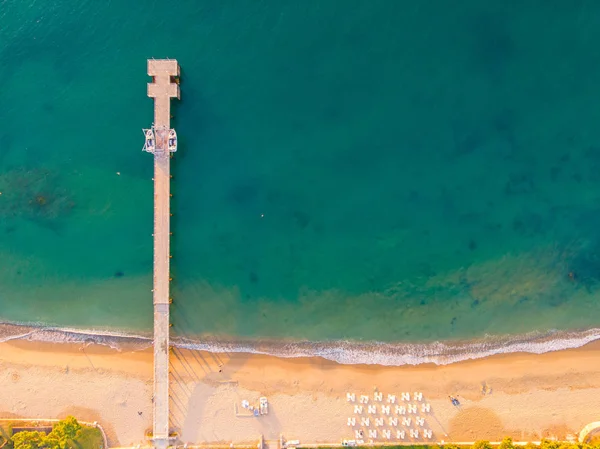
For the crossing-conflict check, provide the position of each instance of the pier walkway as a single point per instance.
(161, 144)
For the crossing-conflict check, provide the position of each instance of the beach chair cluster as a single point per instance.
(389, 417)
(255, 410)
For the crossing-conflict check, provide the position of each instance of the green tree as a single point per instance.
(63, 433)
(450, 446)
(567, 445)
(67, 427)
(52, 442)
(28, 440)
(549, 444)
(507, 443)
(482, 444)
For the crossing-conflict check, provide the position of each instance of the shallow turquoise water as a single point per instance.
(347, 169)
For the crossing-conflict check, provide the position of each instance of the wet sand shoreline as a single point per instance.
(344, 352)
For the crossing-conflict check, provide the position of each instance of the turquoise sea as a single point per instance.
(349, 172)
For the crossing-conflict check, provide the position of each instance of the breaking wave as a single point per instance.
(344, 352)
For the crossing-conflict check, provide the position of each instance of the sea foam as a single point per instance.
(344, 352)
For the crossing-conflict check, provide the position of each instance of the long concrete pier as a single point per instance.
(162, 89)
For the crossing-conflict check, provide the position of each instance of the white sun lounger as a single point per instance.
(400, 410)
(264, 406)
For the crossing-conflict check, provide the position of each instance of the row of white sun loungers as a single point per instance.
(398, 409)
(399, 434)
(396, 415)
(380, 422)
(378, 397)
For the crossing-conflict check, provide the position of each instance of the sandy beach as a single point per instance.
(529, 396)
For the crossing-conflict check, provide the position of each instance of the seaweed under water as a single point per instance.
(36, 195)
(584, 266)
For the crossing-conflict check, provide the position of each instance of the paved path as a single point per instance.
(591, 428)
